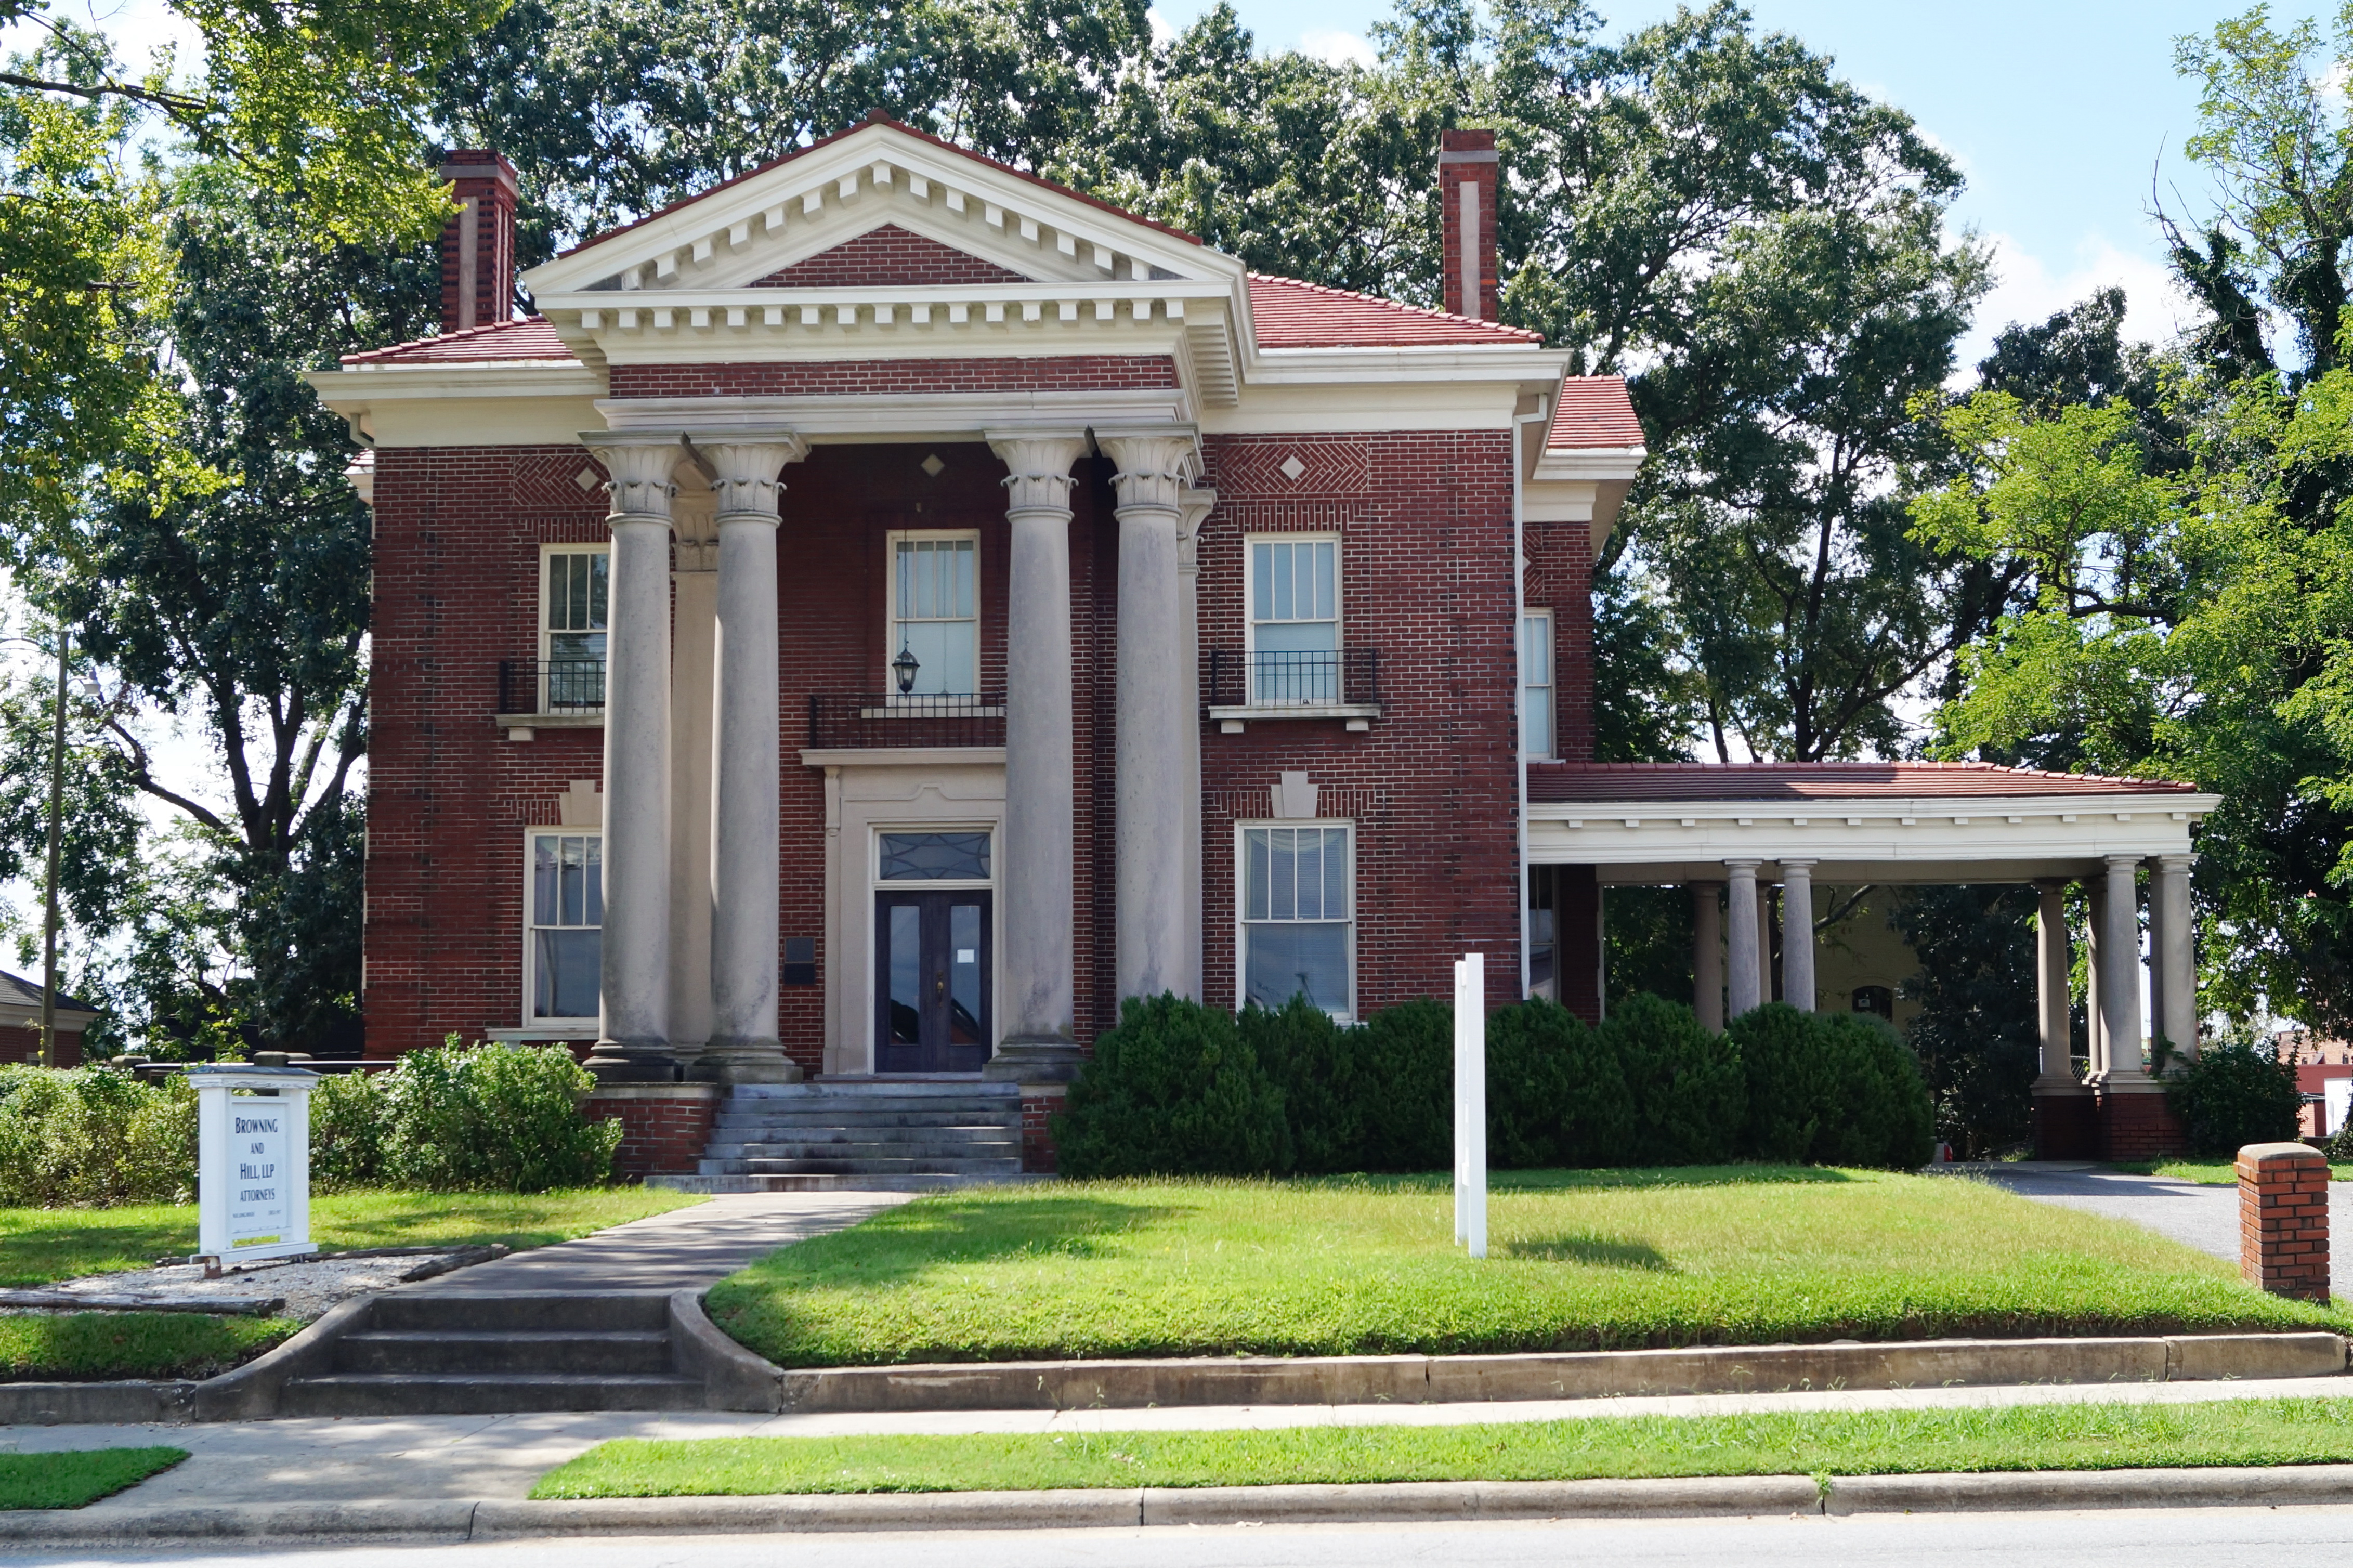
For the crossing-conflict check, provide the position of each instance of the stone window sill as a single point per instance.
(519, 726)
(1359, 716)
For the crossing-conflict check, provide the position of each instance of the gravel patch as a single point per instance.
(306, 1286)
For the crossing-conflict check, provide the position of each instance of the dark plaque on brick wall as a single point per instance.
(800, 960)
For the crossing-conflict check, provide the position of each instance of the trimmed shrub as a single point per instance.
(1876, 1109)
(1174, 1089)
(1556, 1095)
(94, 1136)
(1318, 1066)
(1405, 1063)
(1785, 1059)
(1685, 1085)
(2234, 1094)
(351, 1115)
(493, 1119)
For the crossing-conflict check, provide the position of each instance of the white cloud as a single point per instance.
(2027, 289)
(1163, 31)
(1336, 48)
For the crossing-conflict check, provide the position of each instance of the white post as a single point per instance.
(253, 1164)
(1798, 934)
(1470, 1102)
(2175, 954)
(2120, 973)
(1744, 941)
(1197, 506)
(2052, 962)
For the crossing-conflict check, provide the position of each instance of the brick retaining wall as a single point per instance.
(664, 1126)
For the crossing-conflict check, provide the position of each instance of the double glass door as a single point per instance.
(931, 961)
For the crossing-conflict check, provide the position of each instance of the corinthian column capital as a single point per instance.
(1038, 470)
(1155, 468)
(640, 463)
(1193, 508)
(744, 468)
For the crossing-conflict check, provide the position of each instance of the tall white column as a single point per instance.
(1707, 954)
(2176, 951)
(694, 587)
(746, 736)
(1798, 934)
(1149, 744)
(1741, 949)
(1036, 923)
(2095, 938)
(1763, 942)
(633, 1032)
(2053, 966)
(1196, 504)
(2120, 974)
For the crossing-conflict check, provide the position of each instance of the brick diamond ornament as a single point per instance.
(586, 480)
(1293, 467)
(932, 465)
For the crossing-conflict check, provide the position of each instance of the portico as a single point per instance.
(1733, 833)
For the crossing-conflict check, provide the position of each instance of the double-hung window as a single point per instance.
(1536, 684)
(1298, 926)
(1295, 621)
(566, 939)
(572, 624)
(935, 613)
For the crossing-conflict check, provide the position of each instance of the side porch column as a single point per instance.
(1196, 504)
(745, 863)
(633, 1031)
(2120, 1017)
(1036, 926)
(2175, 951)
(1741, 949)
(1707, 954)
(1149, 748)
(2096, 939)
(2064, 1125)
(1798, 934)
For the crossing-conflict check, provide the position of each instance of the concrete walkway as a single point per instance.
(455, 1458)
(695, 1245)
(2205, 1217)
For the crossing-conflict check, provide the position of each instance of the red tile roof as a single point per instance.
(1594, 412)
(529, 339)
(1569, 782)
(876, 116)
(1295, 315)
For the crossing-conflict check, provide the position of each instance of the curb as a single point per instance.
(1397, 1502)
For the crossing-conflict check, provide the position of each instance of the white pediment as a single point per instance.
(877, 175)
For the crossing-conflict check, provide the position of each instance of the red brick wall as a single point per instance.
(868, 378)
(1425, 524)
(25, 1046)
(2139, 1127)
(1039, 1108)
(888, 257)
(663, 1130)
(1560, 579)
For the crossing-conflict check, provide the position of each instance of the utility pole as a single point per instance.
(49, 896)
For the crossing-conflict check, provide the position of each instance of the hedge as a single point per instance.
(1182, 1088)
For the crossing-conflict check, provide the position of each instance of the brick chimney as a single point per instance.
(478, 247)
(1467, 170)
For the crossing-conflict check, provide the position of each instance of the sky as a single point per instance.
(2058, 113)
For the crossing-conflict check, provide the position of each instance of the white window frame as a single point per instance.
(569, 1028)
(892, 539)
(1251, 541)
(1241, 924)
(542, 632)
(1529, 620)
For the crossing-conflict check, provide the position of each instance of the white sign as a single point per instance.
(2335, 1099)
(1470, 1102)
(253, 1162)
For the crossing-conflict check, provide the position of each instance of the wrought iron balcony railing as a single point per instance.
(886, 719)
(552, 686)
(1348, 678)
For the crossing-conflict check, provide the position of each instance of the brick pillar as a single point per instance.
(1040, 1103)
(664, 1126)
(2283, 1219)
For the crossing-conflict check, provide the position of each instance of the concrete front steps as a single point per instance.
(467, 1354)
(860, 1134)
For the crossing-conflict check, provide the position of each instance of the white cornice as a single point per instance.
(898, 416)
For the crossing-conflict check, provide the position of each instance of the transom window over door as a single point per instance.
(1298, 917)
(1295, 621)
(935, 612)
(571, 628)
(566, 939)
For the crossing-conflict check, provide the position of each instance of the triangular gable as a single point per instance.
(889, 257)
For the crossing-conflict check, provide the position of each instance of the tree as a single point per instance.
(1977, 1036)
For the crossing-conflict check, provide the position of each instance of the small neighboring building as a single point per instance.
(20, 1023)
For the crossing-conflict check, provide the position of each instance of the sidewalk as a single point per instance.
(500, 1458)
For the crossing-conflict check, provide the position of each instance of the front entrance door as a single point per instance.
(931, 970)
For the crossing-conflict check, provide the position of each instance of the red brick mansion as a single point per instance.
(888, 608)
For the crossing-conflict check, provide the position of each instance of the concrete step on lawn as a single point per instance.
(603, 1352)
(485, 1394)
(869, 1090)
(845, 1148)
(876, 1165)
(928, 1182)
(877, 1117)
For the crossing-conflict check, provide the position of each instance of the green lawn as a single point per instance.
(1742, 1255)
(2208, 1173)
(39, 1246)
(1813, 1443)
(78, 1478)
